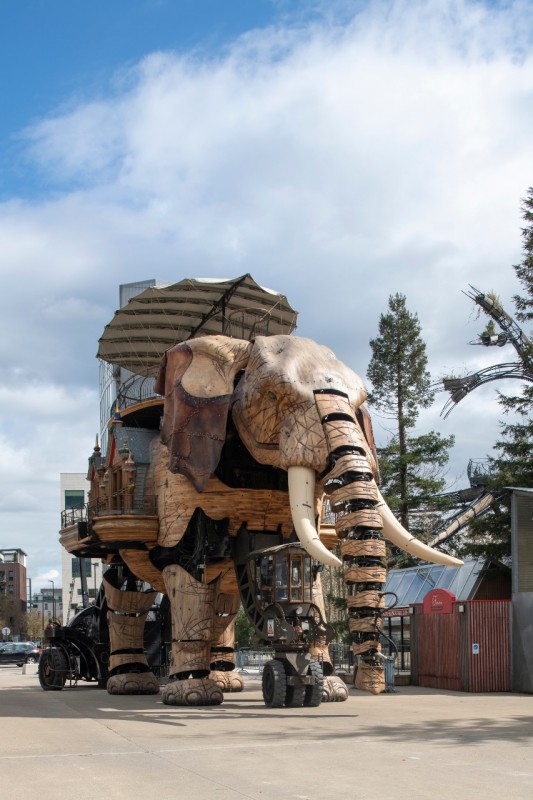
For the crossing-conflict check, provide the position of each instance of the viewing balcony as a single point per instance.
(117, 504)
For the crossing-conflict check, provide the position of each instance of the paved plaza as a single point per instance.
(414, 743)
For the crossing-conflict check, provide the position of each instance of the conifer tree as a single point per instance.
(411, 466)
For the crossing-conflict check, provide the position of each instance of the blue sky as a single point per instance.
(56, 52)
(340, 152)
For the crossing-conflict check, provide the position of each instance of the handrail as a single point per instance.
(123, 502)
(71, 516)
(117, 503)
(136, 389)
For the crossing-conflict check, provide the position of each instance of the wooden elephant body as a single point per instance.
(253, 436)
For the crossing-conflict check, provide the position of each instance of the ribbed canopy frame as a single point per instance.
(158, 318)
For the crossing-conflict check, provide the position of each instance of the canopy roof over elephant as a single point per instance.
(159, 318)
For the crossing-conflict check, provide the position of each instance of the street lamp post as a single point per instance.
(94, 565)
(53, 601)
(71, 596)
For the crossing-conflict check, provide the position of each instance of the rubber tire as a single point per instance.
(313, 694)
(295, 696)
(53, 669)
(274, 684)
(31, 660)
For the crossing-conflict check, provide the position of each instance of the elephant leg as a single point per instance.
(223, 644)
(129, 672)
(319, 649)
(192, 612)
(335, 689)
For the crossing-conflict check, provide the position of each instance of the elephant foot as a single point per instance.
(192, 692)
(133, 683)
(335, 690)
(227, 681)
(370, 678)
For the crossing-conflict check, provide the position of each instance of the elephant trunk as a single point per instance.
(361, 518)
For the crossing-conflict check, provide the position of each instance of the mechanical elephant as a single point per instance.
(254, 435)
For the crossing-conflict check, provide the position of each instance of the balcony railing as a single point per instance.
(136, 389)
(117, 503)
(123, 502)
(71, 516)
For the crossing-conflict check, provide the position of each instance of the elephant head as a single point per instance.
(295, 406)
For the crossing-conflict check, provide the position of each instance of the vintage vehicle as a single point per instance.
(278, 588)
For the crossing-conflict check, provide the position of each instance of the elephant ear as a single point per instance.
(363, 418)
(196, 378)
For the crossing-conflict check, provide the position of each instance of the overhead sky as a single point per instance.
(340, 152)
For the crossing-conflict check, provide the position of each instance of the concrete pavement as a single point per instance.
(415, 743)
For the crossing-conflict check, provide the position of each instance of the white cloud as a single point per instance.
(44, 431)
(42, 581)
(18, 500)
(337, 162)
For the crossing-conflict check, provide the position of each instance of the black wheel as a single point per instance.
(295, 696)
(53, 669)
(274, 684)
(31, 660)
(313, 694)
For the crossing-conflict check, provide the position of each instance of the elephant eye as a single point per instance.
(272, 397)
(238, 376)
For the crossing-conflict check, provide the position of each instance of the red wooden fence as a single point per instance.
(488, 669)
(437, 644)
(465, 650)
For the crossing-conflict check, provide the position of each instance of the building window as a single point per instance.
(76, 568)
(74, 498)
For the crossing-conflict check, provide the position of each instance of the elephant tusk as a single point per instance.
(396, 533)
(302, 500)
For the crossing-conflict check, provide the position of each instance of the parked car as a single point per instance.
(19, 653)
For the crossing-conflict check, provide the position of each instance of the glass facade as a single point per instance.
(108, 393)
(112, 377)
(411, 585)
